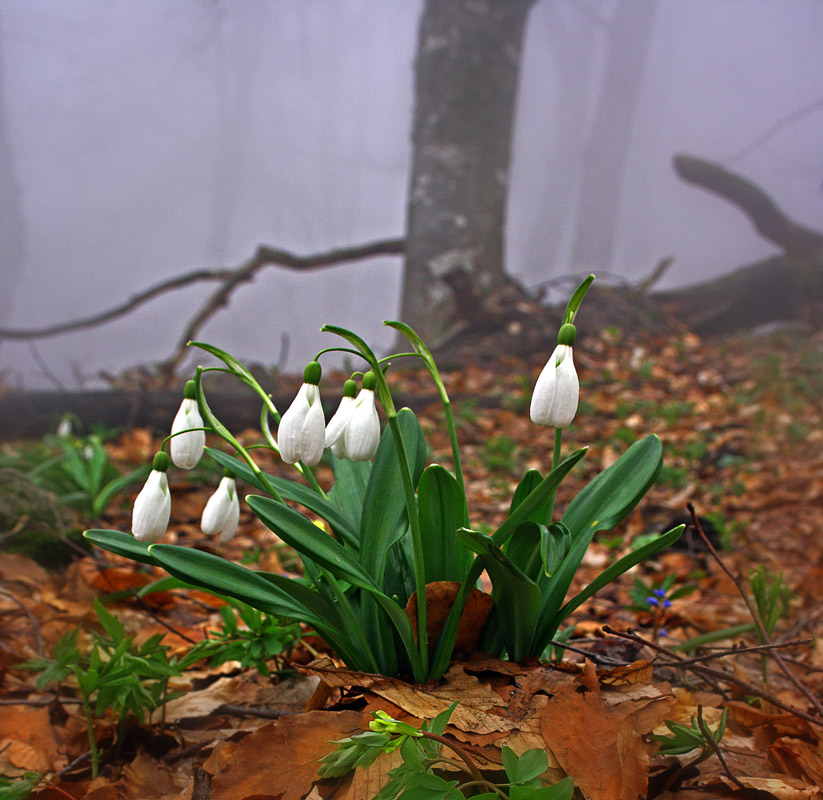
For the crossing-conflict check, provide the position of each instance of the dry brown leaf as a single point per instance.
(146, 778)
(798, 759)
(364, 784)
(440, 597)
(598, 745)
(280, 760)
(32, 726)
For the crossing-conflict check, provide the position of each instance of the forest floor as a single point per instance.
(742, 425)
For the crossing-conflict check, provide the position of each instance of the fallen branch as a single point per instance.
(230, 278)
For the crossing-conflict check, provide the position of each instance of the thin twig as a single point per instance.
(807, 693)
(731, 651)
(718, 674)
(34, 624)
(709, 737)
(595, 657)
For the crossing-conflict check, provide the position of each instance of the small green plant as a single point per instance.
(76, 469)
(264, 638)
(771, 600)
(116, 675)
(422, 751)
(684, 740)
(19, 788)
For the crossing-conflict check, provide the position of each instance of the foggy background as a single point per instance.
(151, 138)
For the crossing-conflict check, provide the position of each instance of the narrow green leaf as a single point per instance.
(297, 492)
(349, 490)
(609, 497)
(442, 510)
(528, 483)
(224, 577)
(516, 596)
(121, 544)
(384, 506)
(537, 497)
(555, 543)
(305, 537)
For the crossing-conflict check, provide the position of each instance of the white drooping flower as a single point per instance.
(337, 424)
(302, 432)
(556, 393)
(222, 511)
(187, 448)
(152, 507)
(362, 434)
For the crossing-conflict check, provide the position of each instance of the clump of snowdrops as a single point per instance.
(394, 525)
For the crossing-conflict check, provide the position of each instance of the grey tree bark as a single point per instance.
(607, 143)
(12, 225)
(466, 76)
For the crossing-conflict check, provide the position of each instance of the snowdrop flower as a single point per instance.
(302, 432)
(152, 507)
(187, 448)
(222, 511)
(64, 428)
(337, 424)
(554, 401)
(362, 433)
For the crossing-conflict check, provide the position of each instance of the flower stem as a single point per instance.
(95, 753)
(558, 438)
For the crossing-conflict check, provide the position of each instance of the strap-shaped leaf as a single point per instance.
(290, 490)
(384, 506)
(528, 483)
(609, 497)
(516, 596)
(121, 544)
(619, 567)
(537, 497)
(305, 537)
(350, 481)
(441, 507)
(224, 577)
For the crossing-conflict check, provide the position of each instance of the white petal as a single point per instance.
(362, 434)
(187, 448)
(337, 424)
(222, 511)
(544, 389)
(314, 434)
(152, 508)
(290, 432)
(567, 392)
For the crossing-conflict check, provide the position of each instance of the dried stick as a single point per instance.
(804, 690)
(717, 674)
(264, 256)
(731, 651)
(707, 735)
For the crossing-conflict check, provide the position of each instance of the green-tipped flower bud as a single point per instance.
(161, 462)
(567, 334)
(369, 381)
(349, 388)
(312, 373)
(190, 390)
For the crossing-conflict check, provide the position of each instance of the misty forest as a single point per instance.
(409, 399)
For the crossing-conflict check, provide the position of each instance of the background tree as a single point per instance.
(466, 75)
(12, 227)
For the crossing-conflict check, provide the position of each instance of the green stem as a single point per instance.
(416, 539)
(95, 754)
(223, 432)
(349, 617)
(558, 438)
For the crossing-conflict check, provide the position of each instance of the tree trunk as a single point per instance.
(466, 76)
(607, 142)
(12, 228)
